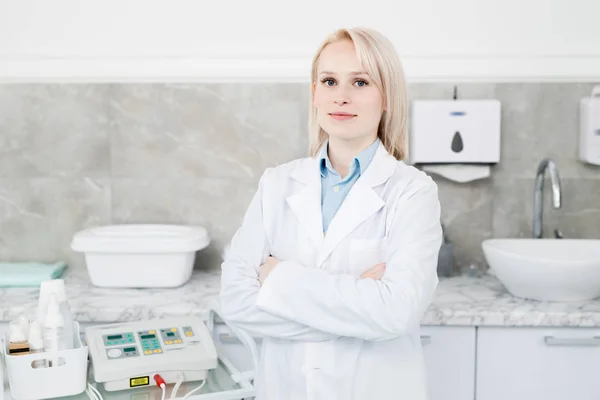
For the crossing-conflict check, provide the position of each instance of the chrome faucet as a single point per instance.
(538, 197)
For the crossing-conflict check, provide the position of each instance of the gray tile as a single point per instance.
(513, 207)
(193, 131)
(579, 216)
(53, 130)
(193, 154)
(541, 120)
(39, 216)
(467, 218)
(218, 204)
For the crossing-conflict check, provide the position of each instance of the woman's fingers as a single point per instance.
(375, 272)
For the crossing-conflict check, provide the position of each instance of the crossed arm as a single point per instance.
(296, 302)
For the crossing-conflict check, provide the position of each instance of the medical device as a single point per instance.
(128, 355)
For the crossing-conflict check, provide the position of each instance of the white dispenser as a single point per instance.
(56, 287)
(36, 344)
(54, 326)
(589, 126)
(455, 132)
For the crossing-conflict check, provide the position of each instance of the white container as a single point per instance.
(54, 327)
(67, 378)
(36, 343)
(589, 127)
(140, 255)
(56, 287)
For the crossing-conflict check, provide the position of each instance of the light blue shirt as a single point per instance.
(333, 189)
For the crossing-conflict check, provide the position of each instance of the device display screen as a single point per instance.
(113, 337)
(148, 336)
(170, 334)
(129, 349)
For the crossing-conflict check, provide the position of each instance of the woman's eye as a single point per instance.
(361, 83)
(328, 82)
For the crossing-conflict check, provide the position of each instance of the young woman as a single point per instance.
(335, 261)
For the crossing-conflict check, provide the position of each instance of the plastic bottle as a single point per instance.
(17, 341)
(54, 326)
(36, 343)
(57, 287)
(24, 322)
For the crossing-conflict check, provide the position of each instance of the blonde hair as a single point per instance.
(381, 62)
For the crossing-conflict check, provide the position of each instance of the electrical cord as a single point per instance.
(160, 382)
(194, 391)
(93, 393)
(180, 379)
(97, 393)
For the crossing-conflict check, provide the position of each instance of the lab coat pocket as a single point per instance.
(365, 254)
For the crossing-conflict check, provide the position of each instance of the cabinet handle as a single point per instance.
(553, 341)
(425, 340)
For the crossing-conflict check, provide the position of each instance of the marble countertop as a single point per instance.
(462, 301)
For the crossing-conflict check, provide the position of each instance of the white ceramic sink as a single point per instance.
(546, 269)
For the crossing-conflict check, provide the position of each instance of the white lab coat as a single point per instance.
(328, 335)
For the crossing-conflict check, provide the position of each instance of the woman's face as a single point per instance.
(349, 105)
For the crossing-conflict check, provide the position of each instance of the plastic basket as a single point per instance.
(67, 375)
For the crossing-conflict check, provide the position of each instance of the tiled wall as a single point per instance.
(74, 156)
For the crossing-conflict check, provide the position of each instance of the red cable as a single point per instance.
(160, 382)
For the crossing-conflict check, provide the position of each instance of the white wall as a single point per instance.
(140, 40)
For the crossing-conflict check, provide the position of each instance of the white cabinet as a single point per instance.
(538, 363)
(450, 361)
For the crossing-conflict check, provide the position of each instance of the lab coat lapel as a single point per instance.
(361, 203)
(306, 203)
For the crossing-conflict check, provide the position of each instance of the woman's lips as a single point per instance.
(342, 116)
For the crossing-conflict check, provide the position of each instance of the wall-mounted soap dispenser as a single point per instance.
(455, 131)
(589, 127)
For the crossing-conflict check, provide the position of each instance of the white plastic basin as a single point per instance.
(561, 270)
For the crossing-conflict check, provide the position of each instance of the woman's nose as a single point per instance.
(341, 96)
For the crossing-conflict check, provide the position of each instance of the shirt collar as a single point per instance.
(361, 161)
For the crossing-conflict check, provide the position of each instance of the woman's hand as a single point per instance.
(265, 269)
(376, 272)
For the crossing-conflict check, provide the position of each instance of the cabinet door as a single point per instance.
(538, 363)
(450, 361)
